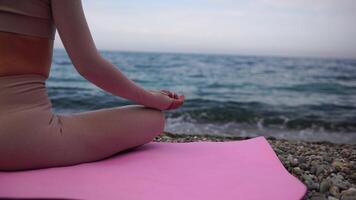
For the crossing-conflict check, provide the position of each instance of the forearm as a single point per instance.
(73, 29)
(106, 76)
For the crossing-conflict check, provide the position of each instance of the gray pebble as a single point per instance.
(293, 161)
(318, 196)
(324, 186)
(339, 181)
(335, 191)
(297, 171)
(320, 169)
(349, 194)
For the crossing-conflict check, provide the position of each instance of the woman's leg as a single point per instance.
(102, 133)
(61, 140)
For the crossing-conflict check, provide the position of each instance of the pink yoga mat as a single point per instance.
(232, 170)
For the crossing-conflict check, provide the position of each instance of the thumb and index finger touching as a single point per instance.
(177, 100)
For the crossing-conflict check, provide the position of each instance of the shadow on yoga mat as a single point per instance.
(245, 169)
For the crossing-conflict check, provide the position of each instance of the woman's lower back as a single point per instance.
(23, 54)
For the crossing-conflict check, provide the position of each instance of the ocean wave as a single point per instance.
(309, 97)
(328, 117)
(328, 88)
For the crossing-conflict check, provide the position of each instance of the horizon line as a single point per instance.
(222, 54)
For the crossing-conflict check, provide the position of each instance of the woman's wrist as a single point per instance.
(147, 98)
(158, 100)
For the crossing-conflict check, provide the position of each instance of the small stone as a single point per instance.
(338, 165)
(318, 196)
(353, 176)
(339, 181)
(311, 184)
(314, 162)
(335, 191)
(320, 169)
(315, 186)
(305, 166)
(328, 159)
(301, 159)
(293, 161)
(346, 170)
(307, 177)
(345, 153)
(313, 169)
(319, 158)
(349, 194)
(324, 186)
(279, 152)
(297, 171)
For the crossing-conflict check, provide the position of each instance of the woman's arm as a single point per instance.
(74, 32)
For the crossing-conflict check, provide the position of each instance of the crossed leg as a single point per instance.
(64, 140)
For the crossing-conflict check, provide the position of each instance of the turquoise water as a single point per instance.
(295, 98)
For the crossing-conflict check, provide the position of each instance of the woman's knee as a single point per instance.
(158, 118)
(162, 118)
(135, 125)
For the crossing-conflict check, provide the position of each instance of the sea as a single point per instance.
(309, 99)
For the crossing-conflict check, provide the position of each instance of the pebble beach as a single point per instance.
(300, 99)
(327, 169)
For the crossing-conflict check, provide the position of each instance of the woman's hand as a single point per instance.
(168, 100)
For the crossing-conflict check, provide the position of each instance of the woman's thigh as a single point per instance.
(105, 132)
(47, 139)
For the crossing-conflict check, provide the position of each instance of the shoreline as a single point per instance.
(327, 169)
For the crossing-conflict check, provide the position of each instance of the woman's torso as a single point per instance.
(26, 37)
(21, 54)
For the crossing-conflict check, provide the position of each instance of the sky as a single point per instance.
(307, 28)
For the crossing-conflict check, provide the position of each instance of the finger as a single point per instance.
(181, 100)
(168, 93)
(175, 95)
(171, 106)
(177, 103)
(165, 92)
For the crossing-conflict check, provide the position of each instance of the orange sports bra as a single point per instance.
(28, 17)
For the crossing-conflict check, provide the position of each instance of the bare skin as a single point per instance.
(78, 137)
(22, 54)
